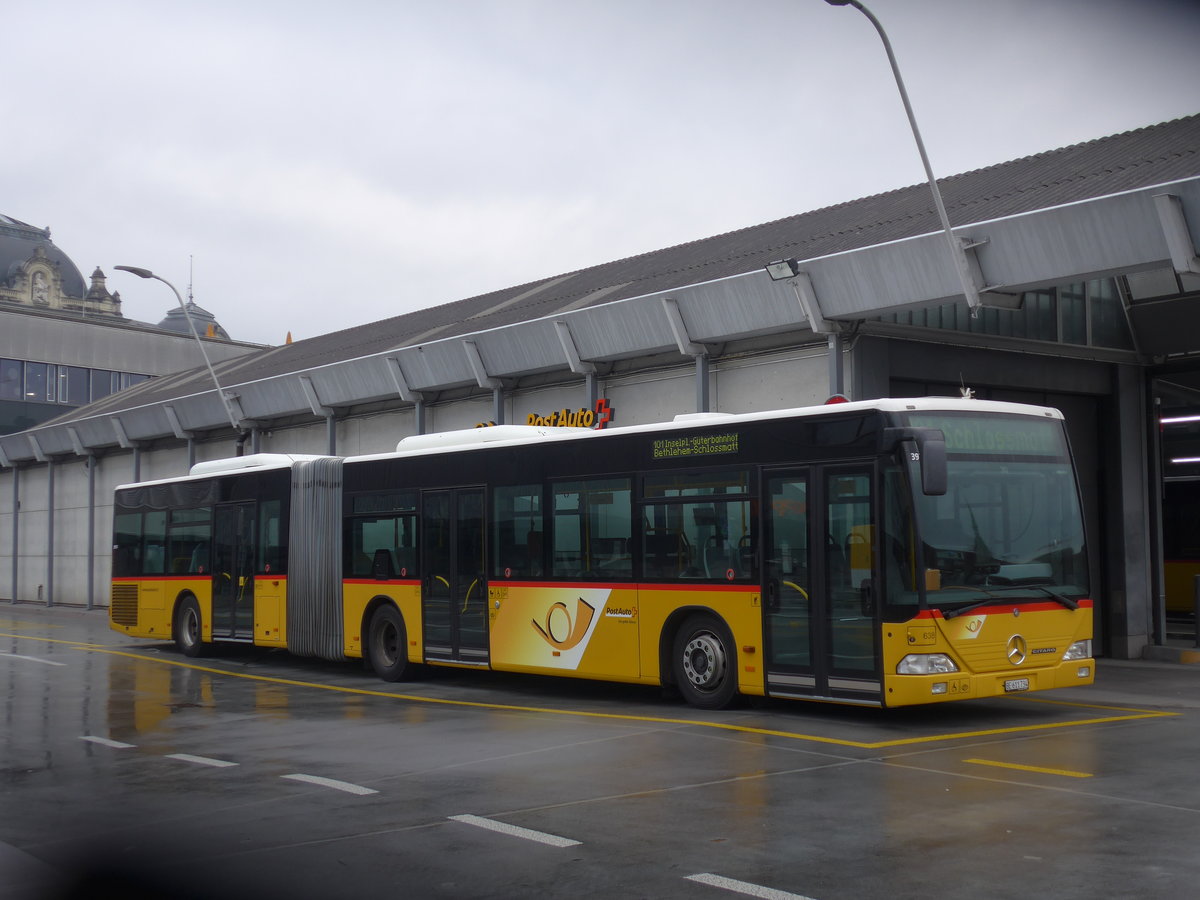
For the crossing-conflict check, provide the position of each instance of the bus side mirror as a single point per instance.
(930, 453)
(933, 465)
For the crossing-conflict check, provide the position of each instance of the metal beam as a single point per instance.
(76, 443)
(38, 453)
(234, 403)
(679, 329)
(578, 366)
(407, 394)
(480, 371)
(806, 296)
(176, 425)
(90, 462)
(837, 376)
(1179, 237)
(121, 433)
(49, 533)
(16, 531)
(314, 401)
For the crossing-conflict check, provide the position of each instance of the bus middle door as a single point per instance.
(454, 588)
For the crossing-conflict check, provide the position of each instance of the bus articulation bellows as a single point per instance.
(887, 552)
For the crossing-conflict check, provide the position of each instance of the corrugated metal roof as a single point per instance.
(1104, 166)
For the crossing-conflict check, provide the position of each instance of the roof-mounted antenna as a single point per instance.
(967, 393)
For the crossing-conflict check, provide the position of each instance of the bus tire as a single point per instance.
(387, 644)
(187, 628)
(704, 662)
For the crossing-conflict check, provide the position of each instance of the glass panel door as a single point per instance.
(454, 595)
(850, 555)
(235, 549)
(788, 599)
(819, 617)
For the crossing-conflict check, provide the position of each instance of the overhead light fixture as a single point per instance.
(1176, 420)
(225, 400)
(1186, 459)
(783, 269)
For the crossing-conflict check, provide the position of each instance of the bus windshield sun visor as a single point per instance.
(930, 453)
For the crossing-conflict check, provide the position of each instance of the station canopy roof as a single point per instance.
(1115, 205)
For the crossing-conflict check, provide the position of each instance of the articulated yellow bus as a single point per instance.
(887, 553)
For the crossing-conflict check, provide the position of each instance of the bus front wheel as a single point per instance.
(704, 662)
(387, 645)
(187, 629)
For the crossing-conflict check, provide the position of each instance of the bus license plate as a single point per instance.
(1016, 684)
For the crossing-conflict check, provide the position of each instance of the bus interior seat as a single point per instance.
(383, 566)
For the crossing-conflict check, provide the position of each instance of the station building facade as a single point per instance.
(1085, 260)
(64, 341)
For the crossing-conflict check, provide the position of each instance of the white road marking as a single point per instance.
(45, 662)
(332, 783)
(744, 887)
(202, 760)
(105, 742)
(515, 831)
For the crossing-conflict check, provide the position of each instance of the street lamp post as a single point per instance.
(146, 273)
(970, 291)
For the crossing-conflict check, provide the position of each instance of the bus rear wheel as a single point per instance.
(186, 629)
(387, 644)
(704, 662)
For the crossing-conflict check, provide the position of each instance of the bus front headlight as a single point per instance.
(926, 664)
(1079, 650)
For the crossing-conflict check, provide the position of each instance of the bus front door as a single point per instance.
(454, 589)
(235, 549)
(818, 609)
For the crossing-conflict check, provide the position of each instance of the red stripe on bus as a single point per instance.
(1001, 606)
(639, 585)
(415, 582)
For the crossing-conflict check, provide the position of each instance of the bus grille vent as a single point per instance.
(124, 608)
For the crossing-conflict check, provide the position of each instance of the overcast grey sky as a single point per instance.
(329, 164)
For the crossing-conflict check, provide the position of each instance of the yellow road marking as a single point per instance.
(621, 717)
(1003, 765)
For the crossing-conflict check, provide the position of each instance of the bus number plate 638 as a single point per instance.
(1016, 684)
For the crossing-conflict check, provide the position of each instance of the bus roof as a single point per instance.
(232, 464)
(516, 435)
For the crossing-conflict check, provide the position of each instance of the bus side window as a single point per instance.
(593, 521)
(154, 549)
(517, 543)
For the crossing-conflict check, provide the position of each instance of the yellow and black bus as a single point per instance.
(886, 552)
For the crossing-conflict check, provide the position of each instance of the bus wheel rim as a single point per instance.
(704, 661)
(389, 643)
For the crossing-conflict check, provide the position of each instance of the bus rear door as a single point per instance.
(235, 549)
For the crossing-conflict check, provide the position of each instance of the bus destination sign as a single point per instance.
(695, 445)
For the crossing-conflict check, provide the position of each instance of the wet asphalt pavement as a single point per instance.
(126, 769)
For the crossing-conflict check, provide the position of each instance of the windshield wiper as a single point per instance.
(952, 613)
(1061, 598)
(1055, 595)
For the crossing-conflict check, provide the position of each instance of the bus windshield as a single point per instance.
(1009, 525)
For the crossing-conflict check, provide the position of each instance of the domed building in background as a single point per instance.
(34, 273)
(203, 321)
(64, 342)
